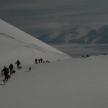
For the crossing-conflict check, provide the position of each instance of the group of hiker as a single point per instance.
(85, 56)
(41, 60)
(6, 72)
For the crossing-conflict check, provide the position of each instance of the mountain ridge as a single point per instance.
(16, 44)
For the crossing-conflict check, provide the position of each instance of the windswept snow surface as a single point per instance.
(16, 44)
(75, 83)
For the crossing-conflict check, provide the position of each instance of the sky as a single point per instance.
(53, 15)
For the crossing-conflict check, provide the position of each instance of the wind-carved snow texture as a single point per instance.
(26, 44)
(16, 44)
(6, 35)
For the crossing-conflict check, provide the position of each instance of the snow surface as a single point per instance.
(16, 44)
(74, 83)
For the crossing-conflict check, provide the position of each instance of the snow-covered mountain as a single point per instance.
(70, 83)
(16, 44)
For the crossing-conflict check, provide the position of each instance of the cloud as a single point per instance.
(31, 15)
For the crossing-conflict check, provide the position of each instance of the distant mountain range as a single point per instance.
(78, 34)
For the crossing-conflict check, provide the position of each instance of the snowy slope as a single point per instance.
(16, 44)
(75, 83)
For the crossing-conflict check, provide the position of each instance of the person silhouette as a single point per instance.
(36, 61)
(11, 68)
(5, 73)
(29, 68)
(18, 63)
(40, 60)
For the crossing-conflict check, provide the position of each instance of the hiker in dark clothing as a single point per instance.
(87, 55)
(29, 68)
(18, 63)
(5, 73)
(11, 69)
(36, 61)
(40, 60)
